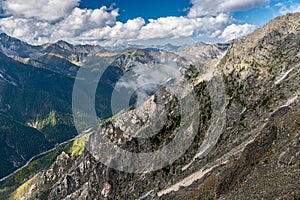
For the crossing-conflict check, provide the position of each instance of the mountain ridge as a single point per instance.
(256, 152)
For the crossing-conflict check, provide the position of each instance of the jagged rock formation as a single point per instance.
(256, 155)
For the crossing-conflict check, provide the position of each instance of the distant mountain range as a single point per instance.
(60, 57)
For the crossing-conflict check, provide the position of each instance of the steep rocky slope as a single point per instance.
(251, 150)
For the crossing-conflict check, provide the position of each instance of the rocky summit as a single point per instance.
(244, 119)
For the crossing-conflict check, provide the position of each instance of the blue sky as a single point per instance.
(130, 9)
(120, 22)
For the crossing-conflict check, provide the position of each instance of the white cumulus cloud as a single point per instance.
(41, 21)
(175, 27)
(70, 28)
(295, 7)
(81, 20)
(128, 30)
(209, 7)
(234, 31)
(47, 10)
